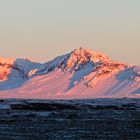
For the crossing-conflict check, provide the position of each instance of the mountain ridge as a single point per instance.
(79, 74)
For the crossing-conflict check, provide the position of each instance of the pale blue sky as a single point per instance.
(43, 29)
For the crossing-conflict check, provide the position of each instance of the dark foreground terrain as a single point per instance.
(101, 119)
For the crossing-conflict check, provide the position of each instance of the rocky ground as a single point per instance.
(101, 119)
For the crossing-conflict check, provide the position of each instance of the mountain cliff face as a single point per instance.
(79, 74)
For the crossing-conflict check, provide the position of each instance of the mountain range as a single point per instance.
(80, 74)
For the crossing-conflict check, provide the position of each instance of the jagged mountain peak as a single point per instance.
(86, 54)
(80, 58)
(82, 55)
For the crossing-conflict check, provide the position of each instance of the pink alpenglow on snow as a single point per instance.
(80, 74)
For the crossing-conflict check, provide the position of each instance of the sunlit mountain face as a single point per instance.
(79, 74)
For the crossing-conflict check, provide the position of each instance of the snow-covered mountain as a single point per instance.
(14, 72)
(79, 74)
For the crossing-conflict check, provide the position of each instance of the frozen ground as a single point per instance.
(102, 119)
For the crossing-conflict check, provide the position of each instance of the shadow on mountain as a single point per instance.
(16, 77)
(79, 75)
(137, 91)
(125, 75)
(123, 78)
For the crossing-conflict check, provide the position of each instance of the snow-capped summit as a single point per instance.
(13, 72)
(81, 56)
(79, 74)
(74, 60)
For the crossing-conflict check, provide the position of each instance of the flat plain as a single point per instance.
(101, 119)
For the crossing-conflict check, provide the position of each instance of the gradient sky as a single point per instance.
(43, 29)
